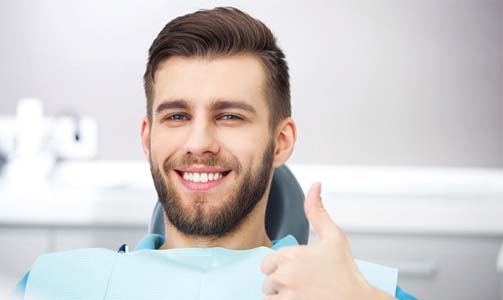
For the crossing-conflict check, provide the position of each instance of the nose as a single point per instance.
(201, 139)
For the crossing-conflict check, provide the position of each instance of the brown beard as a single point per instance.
(242, 200)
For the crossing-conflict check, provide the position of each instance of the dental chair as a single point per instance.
(284, 214)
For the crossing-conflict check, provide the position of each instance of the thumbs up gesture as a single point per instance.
(323, 270)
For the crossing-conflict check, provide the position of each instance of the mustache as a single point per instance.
(210, 161)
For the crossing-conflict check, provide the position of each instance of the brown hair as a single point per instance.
(223, 31)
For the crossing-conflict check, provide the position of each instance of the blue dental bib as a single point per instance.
(147, 273)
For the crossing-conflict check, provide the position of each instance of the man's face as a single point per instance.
(211, 149)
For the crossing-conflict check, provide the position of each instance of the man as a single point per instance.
(218, 123)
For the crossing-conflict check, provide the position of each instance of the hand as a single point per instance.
(323, 270)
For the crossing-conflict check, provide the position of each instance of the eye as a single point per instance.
(176, 117)
(229, 117)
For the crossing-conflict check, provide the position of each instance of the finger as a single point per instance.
(269, 287)
(270, 263)
(316, 213)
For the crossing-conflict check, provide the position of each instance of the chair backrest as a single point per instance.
(284, 214)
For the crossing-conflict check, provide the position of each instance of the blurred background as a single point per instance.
(399, 108)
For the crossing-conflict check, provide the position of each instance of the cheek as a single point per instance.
(164, 143)
(247, 145)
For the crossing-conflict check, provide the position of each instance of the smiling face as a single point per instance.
(209, 142)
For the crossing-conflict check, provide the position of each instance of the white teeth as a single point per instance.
(201, 177)
(204, 177)
(196, 177)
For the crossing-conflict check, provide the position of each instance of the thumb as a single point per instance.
(316, 213)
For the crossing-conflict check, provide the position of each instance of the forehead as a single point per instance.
(198, 80)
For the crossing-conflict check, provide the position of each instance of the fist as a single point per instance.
(323, 270)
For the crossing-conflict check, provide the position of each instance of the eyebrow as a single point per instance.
(226, 104)
(172, 104)
(216, 105)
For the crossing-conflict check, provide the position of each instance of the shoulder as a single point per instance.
(87, 258)
(81, 271)
(50, 266)
(66, 259)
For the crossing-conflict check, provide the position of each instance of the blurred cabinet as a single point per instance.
(110, 238)
(19, 248)
(436, 267)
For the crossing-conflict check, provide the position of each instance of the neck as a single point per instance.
(249, 234)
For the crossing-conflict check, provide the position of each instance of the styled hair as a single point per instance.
(218, 32)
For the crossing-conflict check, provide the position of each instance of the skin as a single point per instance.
(323, 270)
(201, 82)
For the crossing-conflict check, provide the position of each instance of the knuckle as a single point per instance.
(284, 257)
(282, 278)
(267, 286)
(264, 267)
(339, 237)
(291, 253)
(269, 263)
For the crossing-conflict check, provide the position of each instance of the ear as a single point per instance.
(145, 136)
(286, 135)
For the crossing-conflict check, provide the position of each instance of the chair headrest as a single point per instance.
(284, 214)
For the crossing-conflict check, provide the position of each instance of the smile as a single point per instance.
(202, 177)
(202, 180)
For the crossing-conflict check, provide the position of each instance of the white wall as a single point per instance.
(373, 82)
